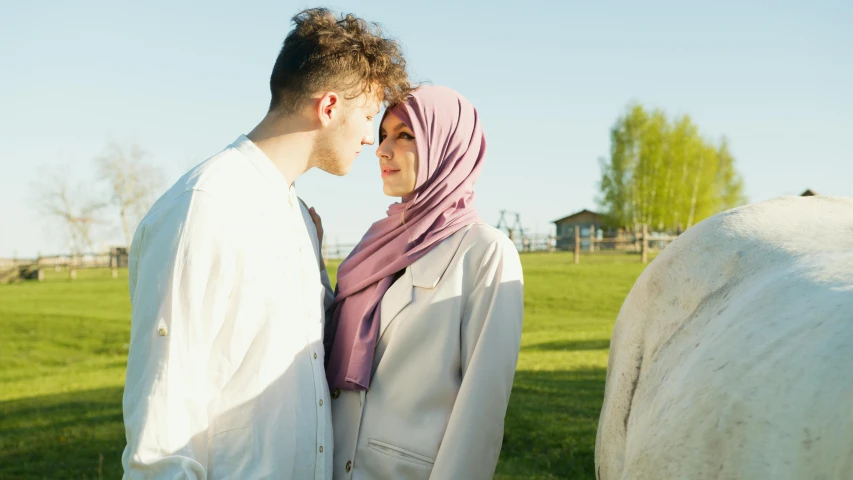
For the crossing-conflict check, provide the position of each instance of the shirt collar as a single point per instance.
(265, 166)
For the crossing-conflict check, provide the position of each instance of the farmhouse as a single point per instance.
(590, 224)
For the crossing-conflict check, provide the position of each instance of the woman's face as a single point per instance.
(398, 157)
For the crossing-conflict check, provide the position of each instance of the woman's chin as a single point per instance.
(396, 192)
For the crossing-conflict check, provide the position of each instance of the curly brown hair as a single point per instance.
(346, 54)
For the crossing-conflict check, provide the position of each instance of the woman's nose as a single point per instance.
(382, 151)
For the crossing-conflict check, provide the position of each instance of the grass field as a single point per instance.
(63, 349)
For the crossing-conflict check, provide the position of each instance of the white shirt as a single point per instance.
(225, 373)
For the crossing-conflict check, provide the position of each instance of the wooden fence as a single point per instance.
(642, 242)
(16, 269)
(336, 251)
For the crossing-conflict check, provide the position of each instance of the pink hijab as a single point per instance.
(451, 149)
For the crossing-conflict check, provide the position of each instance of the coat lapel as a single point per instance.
(395, 300)
(424, 273)
(429, 269)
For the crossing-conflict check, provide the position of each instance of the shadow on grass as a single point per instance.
(550, 430)
(551, 424)
(73, 435)
(595, 344)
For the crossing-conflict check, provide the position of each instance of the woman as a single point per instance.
(423, 337)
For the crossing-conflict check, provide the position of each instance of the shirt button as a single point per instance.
(349, 465)
(162, 331)
(315, 355)
(336, 393)
(321, 449)
(321, 402)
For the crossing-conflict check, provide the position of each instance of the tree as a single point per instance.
(618, 189)
(72, 204)
(664, 173)
(134, 183)
(729, 182)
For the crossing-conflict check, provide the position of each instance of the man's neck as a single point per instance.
(287, 143)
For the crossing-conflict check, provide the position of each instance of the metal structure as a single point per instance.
(515, 232)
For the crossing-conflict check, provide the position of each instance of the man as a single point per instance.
(225, 372)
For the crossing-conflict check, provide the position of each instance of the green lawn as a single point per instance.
(63, 348)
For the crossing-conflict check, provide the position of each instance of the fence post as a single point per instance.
(114, 262)
(577, 245)
(645, 244)
(592, 238)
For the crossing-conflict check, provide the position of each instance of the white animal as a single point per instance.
(732, 357)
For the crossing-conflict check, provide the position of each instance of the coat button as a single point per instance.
(321, 449)
(336, 393)
(162, 331)
(349, 465)
(315, 355)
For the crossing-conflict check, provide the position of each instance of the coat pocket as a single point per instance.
(399, 453)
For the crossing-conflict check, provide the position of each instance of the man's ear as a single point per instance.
(329, 107)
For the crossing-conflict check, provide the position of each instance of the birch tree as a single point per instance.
(664, 173)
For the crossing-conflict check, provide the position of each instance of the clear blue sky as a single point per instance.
(549, 79)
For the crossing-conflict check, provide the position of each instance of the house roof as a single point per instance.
(576, 215)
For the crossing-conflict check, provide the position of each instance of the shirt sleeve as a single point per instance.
(491, 338)
(182, 271)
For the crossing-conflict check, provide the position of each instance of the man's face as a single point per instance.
(341, 141)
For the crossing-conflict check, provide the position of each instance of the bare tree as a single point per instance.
(57, 196)
(134, 183)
